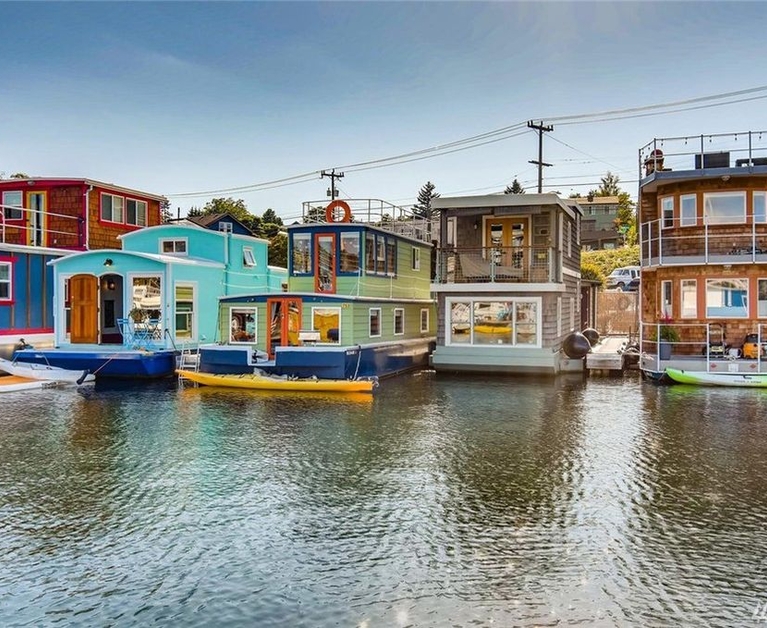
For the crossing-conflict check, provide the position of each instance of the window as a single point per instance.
(665, 298)
(242, 324)
(12, 200)
(391, 256)
(380, 254)
(248, 259)
(302, 260)
(667, 211)
(761, 302)
(450, 240)
(327, 321)
(184, 311)
(514, 322)
(399, 321)
(173, 247)
(424, 320)
(370, 253)
(416, 260)
(688, 205)
(6, 281)
(760, 211)
(226, 227)
(689, 298)
(721, 208)
(727, 298)
(112, 207)
(375, 322)
(350, 252)
(135, 213)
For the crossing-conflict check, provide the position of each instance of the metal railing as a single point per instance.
(725, 150)
(517, 264)
(667, 241)
(33, 227)
(379, 213)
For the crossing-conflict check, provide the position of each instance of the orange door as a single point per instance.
(83, 297)
(284, 323)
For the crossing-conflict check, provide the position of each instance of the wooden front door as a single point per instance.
(284, 323)
(84, 304)
(508, 239)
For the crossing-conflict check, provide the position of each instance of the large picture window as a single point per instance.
(302, 259)
(12, 201)
(689, 289)
(6, 281)
(721, 208)
(327, 321)
(514, 322)
(112, 208)
(689, 210)
(727, 298)
(242, 324)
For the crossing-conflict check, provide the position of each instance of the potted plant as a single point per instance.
(137, 315)
(668, 335)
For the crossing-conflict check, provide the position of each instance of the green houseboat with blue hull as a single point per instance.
(358, 301)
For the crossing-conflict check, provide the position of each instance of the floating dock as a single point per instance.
(608, 355)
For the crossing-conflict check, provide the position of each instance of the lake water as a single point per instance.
(439, 502)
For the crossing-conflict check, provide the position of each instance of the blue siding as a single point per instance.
(33, 294)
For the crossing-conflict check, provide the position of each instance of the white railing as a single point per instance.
(34, 227)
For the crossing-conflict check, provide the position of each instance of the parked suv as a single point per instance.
(622, 277)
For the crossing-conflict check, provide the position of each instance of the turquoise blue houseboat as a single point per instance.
(127, 312)
(358, 302)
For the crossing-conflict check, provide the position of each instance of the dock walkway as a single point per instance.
(608, 354)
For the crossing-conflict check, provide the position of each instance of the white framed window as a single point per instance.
(760, 207)
(667, 212)
(727, 298)
(350, 252)
(11, 201)
(243, 326)
(112, 208)
(374, 324)
(173, 246)
(6, 281)
(666, 302)
(226, 227)
(302, 258)
(424, 320)
(721, 208)
(248, 259)
(761, 298)
(135, 212)
(399, 321)
(184, 311)
(416, 258)
(508, 323)
(391, 256)
(688, 208)
(689, 298)
(327, 321)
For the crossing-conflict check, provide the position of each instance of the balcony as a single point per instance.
(496, 265)
(35, 227)
(664, 242)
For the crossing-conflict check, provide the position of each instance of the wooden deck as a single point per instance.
(608, 354)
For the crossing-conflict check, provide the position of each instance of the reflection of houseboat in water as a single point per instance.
(358, 302)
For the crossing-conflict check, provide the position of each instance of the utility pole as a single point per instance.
(540, 163)
(333, 176)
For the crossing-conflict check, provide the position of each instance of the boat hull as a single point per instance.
(32, 370)
(698, 378)
(14, 383)
(121, 364)
(261, 382)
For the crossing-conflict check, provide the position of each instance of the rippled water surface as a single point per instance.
(439, 502)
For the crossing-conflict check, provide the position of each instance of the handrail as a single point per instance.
(27, 227)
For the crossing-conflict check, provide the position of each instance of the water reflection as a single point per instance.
(437, 501)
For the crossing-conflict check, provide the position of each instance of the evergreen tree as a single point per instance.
(514, 188)
(425, 196)
(165, 215)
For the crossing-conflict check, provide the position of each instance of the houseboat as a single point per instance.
(43, 219)
(128, 312)
(507, 283)
(702, 218)
(357, 303)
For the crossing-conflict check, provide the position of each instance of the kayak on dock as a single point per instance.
(266, 382)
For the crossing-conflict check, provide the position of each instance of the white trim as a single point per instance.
(248, 258)
(380, 322)
(174, 241)
(538, 301)
(194, 332)
(394, 321)
(424, 330)
(335, 309)
(694, 219)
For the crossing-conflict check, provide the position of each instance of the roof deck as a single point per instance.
(726, 155)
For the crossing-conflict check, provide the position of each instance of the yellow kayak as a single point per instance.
(265, 382)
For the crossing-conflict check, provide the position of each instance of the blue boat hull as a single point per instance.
(325, 362)
(123, 364)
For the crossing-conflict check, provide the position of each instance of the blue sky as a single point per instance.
(182, 97)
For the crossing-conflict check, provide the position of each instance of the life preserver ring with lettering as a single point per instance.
(334, 209)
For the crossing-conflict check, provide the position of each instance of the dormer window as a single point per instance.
(248, 259)
(226, 227)
(173, 247)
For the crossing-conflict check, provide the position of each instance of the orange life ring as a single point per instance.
(330, 211)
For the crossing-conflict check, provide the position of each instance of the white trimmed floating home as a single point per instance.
(703, 231)
(357, 302)
(507, 283)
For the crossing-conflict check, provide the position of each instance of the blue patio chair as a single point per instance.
(125, 325)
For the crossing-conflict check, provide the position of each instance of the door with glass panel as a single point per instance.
(325, 262)
(507, 241)
(284, 323)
